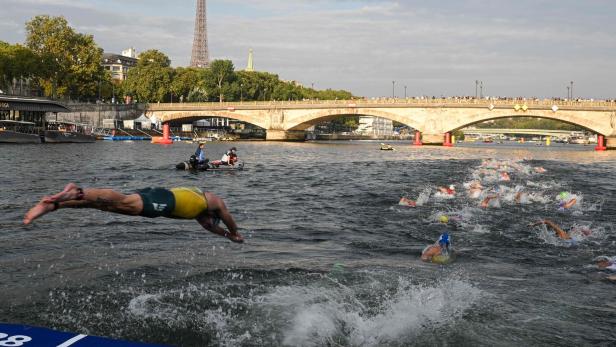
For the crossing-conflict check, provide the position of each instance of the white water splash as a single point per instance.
(318, 316)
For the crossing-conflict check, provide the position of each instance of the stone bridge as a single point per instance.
(433, 118)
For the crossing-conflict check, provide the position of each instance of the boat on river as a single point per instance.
(12, 131)
(191, 165)
(68, 132)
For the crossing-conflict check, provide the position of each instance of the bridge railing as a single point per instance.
(389, 102)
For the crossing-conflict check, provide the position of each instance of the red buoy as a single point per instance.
(600, 143)
(448, 140)
(417, 139)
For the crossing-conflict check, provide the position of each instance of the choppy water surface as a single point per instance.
(305, 208)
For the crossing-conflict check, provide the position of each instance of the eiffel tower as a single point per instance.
(200, 53)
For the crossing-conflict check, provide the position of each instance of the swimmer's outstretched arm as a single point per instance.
(486, 201)
(570, 203)
(217, 207)
(559, 232)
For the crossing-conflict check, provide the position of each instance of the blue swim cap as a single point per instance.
(444, 239)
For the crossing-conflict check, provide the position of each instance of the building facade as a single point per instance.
(119, 65)
(375, 126)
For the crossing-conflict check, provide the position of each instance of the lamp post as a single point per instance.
(405, 92)
(481, 89)
(476, 88)
(568, 93)
(393, 89)
(571, 89)
(241, 92)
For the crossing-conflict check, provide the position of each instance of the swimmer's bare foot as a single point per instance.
(70, 192)
(38, 210)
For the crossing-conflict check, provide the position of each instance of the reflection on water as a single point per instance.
(305, 207)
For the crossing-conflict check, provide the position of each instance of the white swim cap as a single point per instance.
(452, 187)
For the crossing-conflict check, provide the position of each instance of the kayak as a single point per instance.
(186, 166)
(25, 335)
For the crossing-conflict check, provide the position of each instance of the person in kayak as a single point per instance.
(178, 203)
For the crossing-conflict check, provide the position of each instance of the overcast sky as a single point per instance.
(438, 47)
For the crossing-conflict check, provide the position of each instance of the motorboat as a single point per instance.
(68, 132)
(12, 131)
(193, 165)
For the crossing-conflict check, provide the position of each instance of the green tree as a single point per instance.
(16, 62)
(150, 80)
(154, 57)
(219, 78)
(70, 61)
(186, 81)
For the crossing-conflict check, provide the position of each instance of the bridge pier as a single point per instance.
(432, 139)
(288, 135)
(610, 142)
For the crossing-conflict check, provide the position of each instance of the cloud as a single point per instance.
(524, 47)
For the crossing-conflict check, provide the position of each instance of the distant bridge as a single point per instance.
(434, 118)
(542, 132)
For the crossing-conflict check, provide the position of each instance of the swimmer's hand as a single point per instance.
(235, 237)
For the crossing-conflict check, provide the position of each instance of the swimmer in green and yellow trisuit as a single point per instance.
(180, 203)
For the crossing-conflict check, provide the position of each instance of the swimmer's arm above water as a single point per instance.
(559, 232)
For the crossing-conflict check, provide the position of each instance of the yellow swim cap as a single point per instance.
(443, 219)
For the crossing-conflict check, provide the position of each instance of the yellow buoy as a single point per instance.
(548, 140)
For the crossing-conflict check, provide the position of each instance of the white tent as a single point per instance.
(155, 122)
(144, 122)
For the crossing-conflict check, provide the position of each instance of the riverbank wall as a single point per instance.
(93, 114)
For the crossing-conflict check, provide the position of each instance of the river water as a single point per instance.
(330, 259)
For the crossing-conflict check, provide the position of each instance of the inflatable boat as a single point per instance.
(190, 166)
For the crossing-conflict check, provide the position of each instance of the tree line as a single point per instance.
(58, 62)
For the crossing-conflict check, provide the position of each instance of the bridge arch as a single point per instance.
(307, 120)
(573, 118)
(176, 116)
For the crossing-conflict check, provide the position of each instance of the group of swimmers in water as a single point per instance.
(209, 210)
(496, 174)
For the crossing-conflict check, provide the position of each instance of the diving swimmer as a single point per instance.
(178, 203)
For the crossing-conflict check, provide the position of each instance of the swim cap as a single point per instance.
(563, 195)
(444, 239)
(452, 187)
(443, 219)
